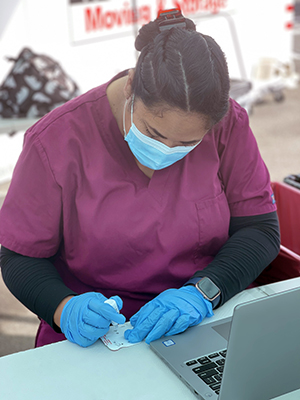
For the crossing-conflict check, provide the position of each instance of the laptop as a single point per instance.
(253, 355)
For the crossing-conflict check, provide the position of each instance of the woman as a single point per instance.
(149, 188)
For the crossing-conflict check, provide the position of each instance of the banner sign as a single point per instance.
(105, 19)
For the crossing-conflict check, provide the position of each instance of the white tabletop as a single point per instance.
(66, 371)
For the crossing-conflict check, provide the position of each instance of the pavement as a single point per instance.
(276, 126)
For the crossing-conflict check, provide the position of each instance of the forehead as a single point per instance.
(168, 120)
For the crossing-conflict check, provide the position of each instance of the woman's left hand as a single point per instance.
(171, 312)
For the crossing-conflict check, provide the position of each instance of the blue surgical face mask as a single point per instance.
(148, 151)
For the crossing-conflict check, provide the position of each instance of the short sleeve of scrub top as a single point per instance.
(34, 204)
(244, 175)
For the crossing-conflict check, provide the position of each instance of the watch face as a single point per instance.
(208, 288)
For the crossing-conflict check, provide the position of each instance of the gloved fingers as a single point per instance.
(80, 336)
(96, 303)
(104, 310)
(108, 312)
(82, 340)
(143, 313)
(118, 318)
(196, 299)
(141, 330)
(127, 335)
(85, 318)
(93, 333)
(118, 300)
(163, 325)
(90, 318)
(74, 337)
(182, 323)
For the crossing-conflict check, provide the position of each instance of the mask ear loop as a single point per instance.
(124, 130)
(132, 101)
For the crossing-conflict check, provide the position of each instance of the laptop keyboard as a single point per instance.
(210, 369)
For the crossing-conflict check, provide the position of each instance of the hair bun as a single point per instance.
(190, 26)
(148, 32)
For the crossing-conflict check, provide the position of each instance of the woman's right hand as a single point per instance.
(86, 317)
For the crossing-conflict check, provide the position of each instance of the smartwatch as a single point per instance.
(209, 290)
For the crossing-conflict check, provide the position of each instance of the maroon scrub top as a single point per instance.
(77, 192)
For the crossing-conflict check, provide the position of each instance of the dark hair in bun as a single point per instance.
(148, 32)
(181, 68)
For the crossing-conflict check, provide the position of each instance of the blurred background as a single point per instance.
(93, 40)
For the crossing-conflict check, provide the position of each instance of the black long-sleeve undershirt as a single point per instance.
(254, 242)
(35, 282)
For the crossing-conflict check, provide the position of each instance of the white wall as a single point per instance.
(261, 32)
(45, 27)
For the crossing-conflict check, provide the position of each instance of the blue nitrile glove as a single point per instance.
(171, 312)
(85, 318)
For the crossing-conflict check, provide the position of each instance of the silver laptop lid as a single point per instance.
(263, 356)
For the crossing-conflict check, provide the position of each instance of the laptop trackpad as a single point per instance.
(223, 329)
